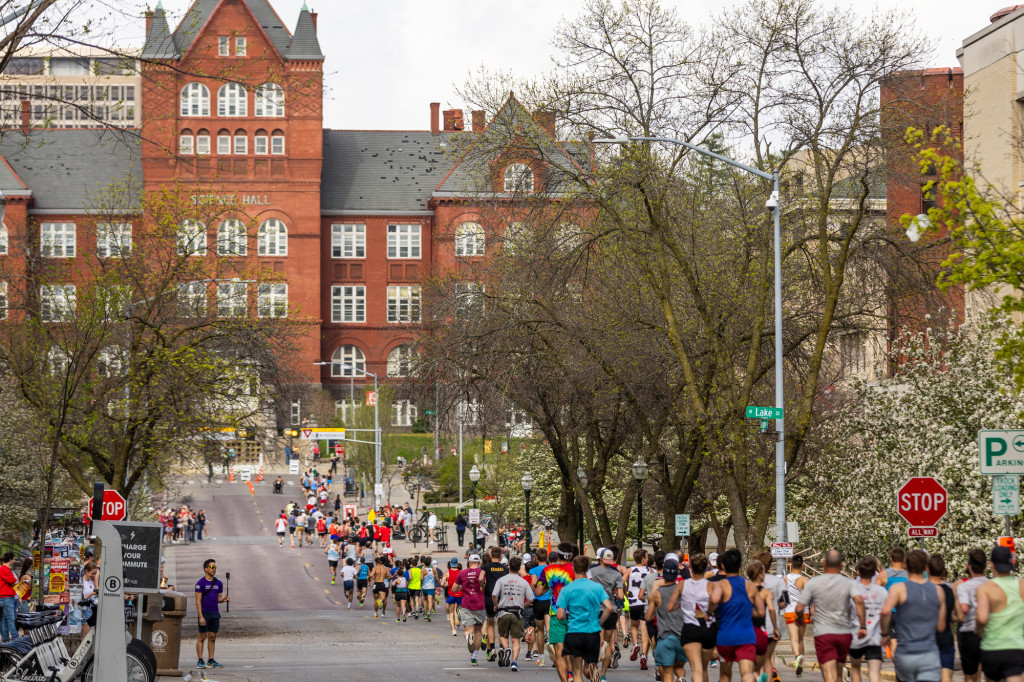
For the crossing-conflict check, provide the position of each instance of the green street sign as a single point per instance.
(1000, 452)
(764, 412)
(1006, 494)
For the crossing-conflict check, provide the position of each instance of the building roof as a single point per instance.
(853, 187)
(199, 14)
(63, 168)
(159, 39)
(304, 44)
(381, 171)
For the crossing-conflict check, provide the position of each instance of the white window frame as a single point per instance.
(269, 101)
(4, 302)
(518, 178)
(277, 145)
(295, 414)
(224, 145)
(4, 240)
(232, 101)
(57, 302)
(469, 239)
(469, 297)
(195, 100)
(192, 298)
(272, 300)
(403, 413)
(401, 359)
(113, 240)
(272, 238)
(240, 46)
(260, 145)
(223, 46)
(350, 355)
(241, 145)
(469, 412)
(232, 238)
(203, 145)
(404, 241)
(58, 240)
(191, 238)
(186, 145)
(348, 240)
(232, 299)
(404, 304)
(348, 303)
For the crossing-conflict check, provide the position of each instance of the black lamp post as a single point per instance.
(639, 474)
(527, 483)
(582, 475)
(474, 476)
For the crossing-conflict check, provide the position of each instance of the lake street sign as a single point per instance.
(682, 525)
(1006, 495)
(323, 434)
(782, 550)
(1001, 452)
(763, 412)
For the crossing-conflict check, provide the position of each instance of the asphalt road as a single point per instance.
(287, 622)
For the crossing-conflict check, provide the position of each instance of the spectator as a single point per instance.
(8, 599)
(460, 528)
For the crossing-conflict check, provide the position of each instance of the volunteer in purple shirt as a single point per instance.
(209, 593)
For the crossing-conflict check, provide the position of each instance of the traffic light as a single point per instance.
(294, 433)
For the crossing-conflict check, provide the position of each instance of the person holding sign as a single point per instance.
(209, 593)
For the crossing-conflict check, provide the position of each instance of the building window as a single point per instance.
(518, 178)
(3, 301)
(58, 240)
(113, 240)
(241, 143)
(469, 412)
(516, 235)
(224, 143)
(240, 46)
(403, 241)
(469, 300)
(348, 303)
(348, 241)
(192, 299)
(232, 238)
(346, 409)
(928, 201)
(401, 361)
(272, 300)
(296, 412)
(232, 299)
(224, 46)
(203, 142)
(260, 143)
(231, 100)
(469, 239)
(403, 304)
(403, 413)
(272, 238)
(195, 100)
(569, 237)
(348, 361)
(110, 362)
(3, 239)
(277, 143)
(269, 101)
(186, 144)
(57, 302)
(192, 238)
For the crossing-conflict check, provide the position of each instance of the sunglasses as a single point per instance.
(213, 566)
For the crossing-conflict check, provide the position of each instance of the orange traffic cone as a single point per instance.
(259, 474)
(231, 472)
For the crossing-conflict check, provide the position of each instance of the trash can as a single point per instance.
(163, 630)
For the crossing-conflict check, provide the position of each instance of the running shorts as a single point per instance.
(510, 625)
(636, 612)
(333, 563)
(379, 588)
(947, 656)
(428, 592)
(280, 534)
(702, 634)
(868, 653)
(470, 618)
(361, 583)
(761, 641)
(669, 652)
(541, 608)
(489, 608)
(557, 631)
(585, 645)
(291, 531)
(926, 666)
(798, 618)
(348, 585)
(1002, 663)
(453, 600)
(611, 622)
(837, 648)
(402, 595)
(970, 651)
(212, 623)
(741, 652)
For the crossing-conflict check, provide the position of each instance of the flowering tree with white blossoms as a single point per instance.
(922, 422)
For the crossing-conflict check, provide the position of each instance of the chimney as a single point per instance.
(1003, 12)
(453, 121)
(435, 113)
(312, 15)
(546, 120)
(479, 121)
(26, 116)
(149, 20)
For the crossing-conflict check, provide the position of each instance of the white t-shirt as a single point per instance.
(874, 598)
(281, 525)
(349, 572)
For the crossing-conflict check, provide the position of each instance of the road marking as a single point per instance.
(327, 591)
(316, 578)
(258, 511)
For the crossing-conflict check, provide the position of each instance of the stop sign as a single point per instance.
(340, 449)
(114, 507)
(922, 501)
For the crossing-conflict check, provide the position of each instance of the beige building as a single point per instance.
(86, 88)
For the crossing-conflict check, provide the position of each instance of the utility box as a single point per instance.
(162, 630)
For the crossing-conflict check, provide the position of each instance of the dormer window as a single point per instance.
(518, 178)
(240, 46)
(224, 46)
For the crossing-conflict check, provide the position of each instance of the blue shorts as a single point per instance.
(212, 623)
(453, 600)
(669, 652)
(348, 585)
(947, 655)
(428, 592)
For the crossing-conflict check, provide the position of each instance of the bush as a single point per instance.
(420, 426)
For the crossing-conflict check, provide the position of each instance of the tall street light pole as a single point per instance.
(639, 474)
(581, 474)
(474, 476)
(774, 203)
(527, 483)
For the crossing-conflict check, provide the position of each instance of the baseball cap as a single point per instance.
(605, 554)
(670, 571)
(1001, 559)
(454, 562)
(527, 558)
(504, 560)
(475, 558)
(672, 556)
(713, 558)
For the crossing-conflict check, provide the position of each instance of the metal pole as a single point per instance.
(527, 493)
(460, 463)
(1007, 519)
(639, 515)
(780, 427)
(437, 416)
(476, 526)
(376, 445)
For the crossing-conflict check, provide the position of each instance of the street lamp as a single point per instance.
(774, 203)
(474, 476)
(527, 483)
(639, 474)
(581, 474)
(376, 426)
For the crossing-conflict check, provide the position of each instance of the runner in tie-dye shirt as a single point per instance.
(557, 575)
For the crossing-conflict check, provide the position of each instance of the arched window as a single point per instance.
(195, 100)
(191, 238)
(277, 142)
(269, 100)
(261, 142)
(469, 239)
(241, 142)
(3, 239)
(353, 359)
(232, 238)
(402, 361)
(203, 141)
(231, 100)
(186, 143)
(272, 239)
(518, 178)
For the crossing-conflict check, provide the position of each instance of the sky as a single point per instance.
(386, 60)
